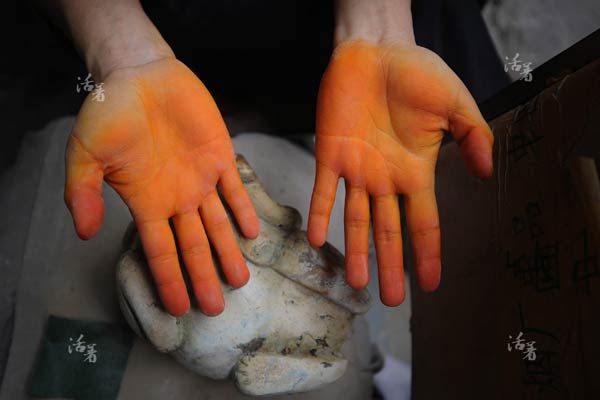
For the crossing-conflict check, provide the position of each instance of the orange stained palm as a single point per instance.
(381, 114)
(159, 140)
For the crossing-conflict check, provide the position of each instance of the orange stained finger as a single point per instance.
(239, 201)
(474, 137)
(197, 257)
(159, 246)
(83, 189)
(321, 204)
(424, 228)
(221, 236)
(356, 232)
(388, 243)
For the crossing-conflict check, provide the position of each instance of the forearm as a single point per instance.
(108, 34)
(376, 21)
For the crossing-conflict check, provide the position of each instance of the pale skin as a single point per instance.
(383, 106)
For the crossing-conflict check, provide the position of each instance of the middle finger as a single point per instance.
(388, 243)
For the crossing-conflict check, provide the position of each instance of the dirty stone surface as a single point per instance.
(62, 275)
(280, 333)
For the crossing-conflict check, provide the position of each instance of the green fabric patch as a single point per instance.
(81, 360)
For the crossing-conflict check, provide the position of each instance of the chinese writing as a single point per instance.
(523, 68)
(527, 348)
(539, 266)
(540, 270)
(587, 266)
(528, 221)
(79, 346)
(88, 85)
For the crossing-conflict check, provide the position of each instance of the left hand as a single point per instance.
(160, 142)
(381, 117)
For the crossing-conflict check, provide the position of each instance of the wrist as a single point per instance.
(381, 22)
(119, 53)
(117, 37)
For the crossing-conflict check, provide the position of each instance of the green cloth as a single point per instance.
(81, 360)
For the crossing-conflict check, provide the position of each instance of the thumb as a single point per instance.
(473, 135)
(83, 189)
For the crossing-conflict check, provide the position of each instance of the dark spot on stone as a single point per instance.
(326, 316)
(322, 342)
(286, 351)
(252, 346)
(313, 352)
(136, 319)
(326, 364)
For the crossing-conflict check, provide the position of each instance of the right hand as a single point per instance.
(382, 112)
(159, 140)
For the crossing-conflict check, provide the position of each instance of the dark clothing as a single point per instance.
(265, 57)
(456, 31)
(271, 54)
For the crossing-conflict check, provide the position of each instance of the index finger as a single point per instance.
(239, 201)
